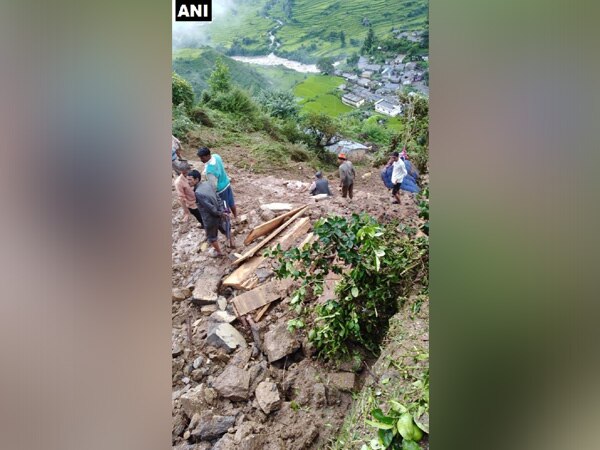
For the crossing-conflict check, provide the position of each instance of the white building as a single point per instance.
(388, 108)
(352, 100)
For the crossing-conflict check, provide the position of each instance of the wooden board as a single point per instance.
(269, 226)
(242, 273)
(250, 253)
(309, 238)
(298, 229)
(262, 295)
(261, 313)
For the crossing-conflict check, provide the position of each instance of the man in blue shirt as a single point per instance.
(214, 171)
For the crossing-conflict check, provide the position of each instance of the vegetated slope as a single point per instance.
(311, 28)
(319, 23)
(196, 65)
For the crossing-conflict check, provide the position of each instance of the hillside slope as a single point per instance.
(196, 65)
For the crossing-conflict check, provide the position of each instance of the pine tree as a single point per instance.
(369, 42)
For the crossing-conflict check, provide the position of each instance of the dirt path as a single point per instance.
(306, 401)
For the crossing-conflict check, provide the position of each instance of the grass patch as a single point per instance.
(316, 95)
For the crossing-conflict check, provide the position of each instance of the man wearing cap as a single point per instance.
(347, 175)
(320, 185)
(215, 174)
(398, 174)
(187, 198)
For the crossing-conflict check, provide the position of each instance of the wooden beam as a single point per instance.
(250, 253)
(262, 312)
(242, 273)
(262, 295)
(269, 226)
(299, 228)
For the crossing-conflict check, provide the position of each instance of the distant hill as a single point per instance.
(196, 65)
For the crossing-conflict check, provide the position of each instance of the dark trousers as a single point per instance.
(348, 190)
(196, 213)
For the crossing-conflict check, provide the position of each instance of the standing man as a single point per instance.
(398, 174)
(187, 199)
(215, 174)
(320, 185)
(347, 175)
(212, 211)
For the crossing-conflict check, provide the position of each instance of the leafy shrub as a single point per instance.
(423, 204)
(279, 104)
(198, 115)
(234, 101)
(181, 123)
(181, 91)
(299, 152)
(377, 266)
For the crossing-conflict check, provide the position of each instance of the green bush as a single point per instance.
(198, 115)
(378, 265)
(181, 123)
(181, 92)
(235, 101)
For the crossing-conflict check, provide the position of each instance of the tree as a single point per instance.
(220, 79)
(325, 65)
(343, 38)
(181, 91)
(321, 126)
(369, 42)
(280, 104)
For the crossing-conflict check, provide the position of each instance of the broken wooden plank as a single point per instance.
(242, 273)
(309, 238)
(250, 253)
(262, 312)
(291, 236)
(269, 226)
(262, 295)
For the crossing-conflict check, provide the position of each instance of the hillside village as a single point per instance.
(380, 84)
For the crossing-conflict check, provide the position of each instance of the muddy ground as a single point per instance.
(247, 398)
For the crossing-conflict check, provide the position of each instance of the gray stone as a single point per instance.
(205, 291)
(212, 427)
(209, 309)
(233, 383)
(268, 397)
(178, 295)
(198, 362)
(279, 343)
(222, 302)
(222, 316)
(319, 397)
(176, 350)
(193, 401)
(179, 425)
(225, 443)
(344, 381)
(223, 335)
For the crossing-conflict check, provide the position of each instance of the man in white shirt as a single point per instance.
(398, 174)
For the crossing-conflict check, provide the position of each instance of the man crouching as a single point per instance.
(212, 212)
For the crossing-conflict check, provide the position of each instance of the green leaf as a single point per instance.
(385, 437)
(355, 292)
(381, 417)
(407, 444)
(379, 425)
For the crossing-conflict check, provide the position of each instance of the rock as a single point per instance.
(225, 443)
(233, 383)
(176, 350)
(186, 435)
(198, 362)
(262, 273)
(179, 425)
(344, 381)
(243, 218)
(278, 343)
(245, 429)
(223, 335)
(277, 207)
(319, 396)
(266, 214)
(222, 302)
(205, 291)
(222, 316)
(178, 295)
(193, 401)
(209, 309)
(366, 175)
(212, 427)
(210, 395)
(268, 397)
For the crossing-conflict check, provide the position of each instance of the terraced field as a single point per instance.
(312, 27)
(317, 95)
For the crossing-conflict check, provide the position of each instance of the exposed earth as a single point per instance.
(227, 392)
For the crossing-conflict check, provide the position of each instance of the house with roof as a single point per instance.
(353, 150)
(388, 108)
(352, 99)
